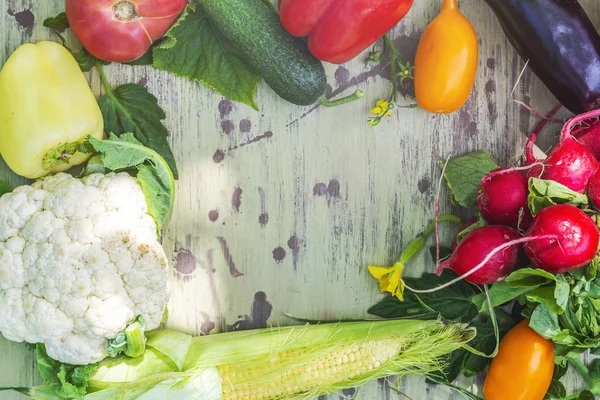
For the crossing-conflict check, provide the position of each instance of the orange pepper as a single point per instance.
(523, 368)
(446, 61)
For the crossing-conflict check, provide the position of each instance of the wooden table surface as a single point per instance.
(280, 211)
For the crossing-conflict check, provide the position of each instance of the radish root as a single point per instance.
(482, 263)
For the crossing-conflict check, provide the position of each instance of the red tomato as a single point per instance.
(121, 30)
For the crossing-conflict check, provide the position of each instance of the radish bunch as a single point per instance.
(559, 238)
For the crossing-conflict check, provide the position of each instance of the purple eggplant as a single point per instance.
(561, 44)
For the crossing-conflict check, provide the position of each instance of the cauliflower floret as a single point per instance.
(79, 260)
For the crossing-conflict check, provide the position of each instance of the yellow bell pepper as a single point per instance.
(46, 111)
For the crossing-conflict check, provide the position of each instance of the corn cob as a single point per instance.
(299, 362)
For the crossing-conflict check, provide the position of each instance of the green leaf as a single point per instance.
(463, 175)
(544, 322)
(586, 395)
(545, 193)
(146, 59)
(501, 292)
(68, 381)
(530, 277)
(93, 166)
(557, 390)
(130, 108)
(58, 23)
(545, 296)
(154, 175)
(196, 50)
(452, 303)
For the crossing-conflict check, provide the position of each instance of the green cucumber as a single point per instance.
(283, 60)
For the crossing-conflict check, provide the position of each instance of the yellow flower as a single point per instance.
(382, 103)
(388, 113)
(377, 110)
(390, 279)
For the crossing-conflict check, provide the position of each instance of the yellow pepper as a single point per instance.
(446, 61)
(47, 110)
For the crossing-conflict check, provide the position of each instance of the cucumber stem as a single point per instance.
(359, 94)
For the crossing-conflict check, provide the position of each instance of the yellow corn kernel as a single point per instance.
(337, 366)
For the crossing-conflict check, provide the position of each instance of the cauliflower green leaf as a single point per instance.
(155, 177)
(131, 108)
(68, 381)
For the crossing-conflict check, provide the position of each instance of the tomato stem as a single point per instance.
(359, 94)
(124, 11)
(103, 78)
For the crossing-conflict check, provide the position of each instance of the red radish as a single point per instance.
(586, 129)
(121, 30)
(462, 228)
(575, 243)
(502, 198)
(570, 162)
(593, 189)
(479, 244)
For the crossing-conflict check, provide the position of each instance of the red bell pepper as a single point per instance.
(339, 30)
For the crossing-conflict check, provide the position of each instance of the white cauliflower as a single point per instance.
(79, 261)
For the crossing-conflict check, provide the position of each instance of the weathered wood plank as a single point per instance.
(280, 211)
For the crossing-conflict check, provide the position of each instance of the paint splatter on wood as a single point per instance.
(185, 264)
(279, 254)
(213, 215)
(233, 271)
(236, 199)
(25, 19)
(219, 156)
(260, 312)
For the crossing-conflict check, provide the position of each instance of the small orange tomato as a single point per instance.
(523, 368)
(446, 61)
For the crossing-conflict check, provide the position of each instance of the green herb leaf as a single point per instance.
(501, 292)
(544, 193)
(463, 175)
(530, 277)
(586, 395)
(557, 390)
(196, 50)
(59, 23)
(154, 175)
(66, 380)
(545, 296)
(130, 108)
(544, 322)
(452, 303)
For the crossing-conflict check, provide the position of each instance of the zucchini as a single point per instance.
(283, 60)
